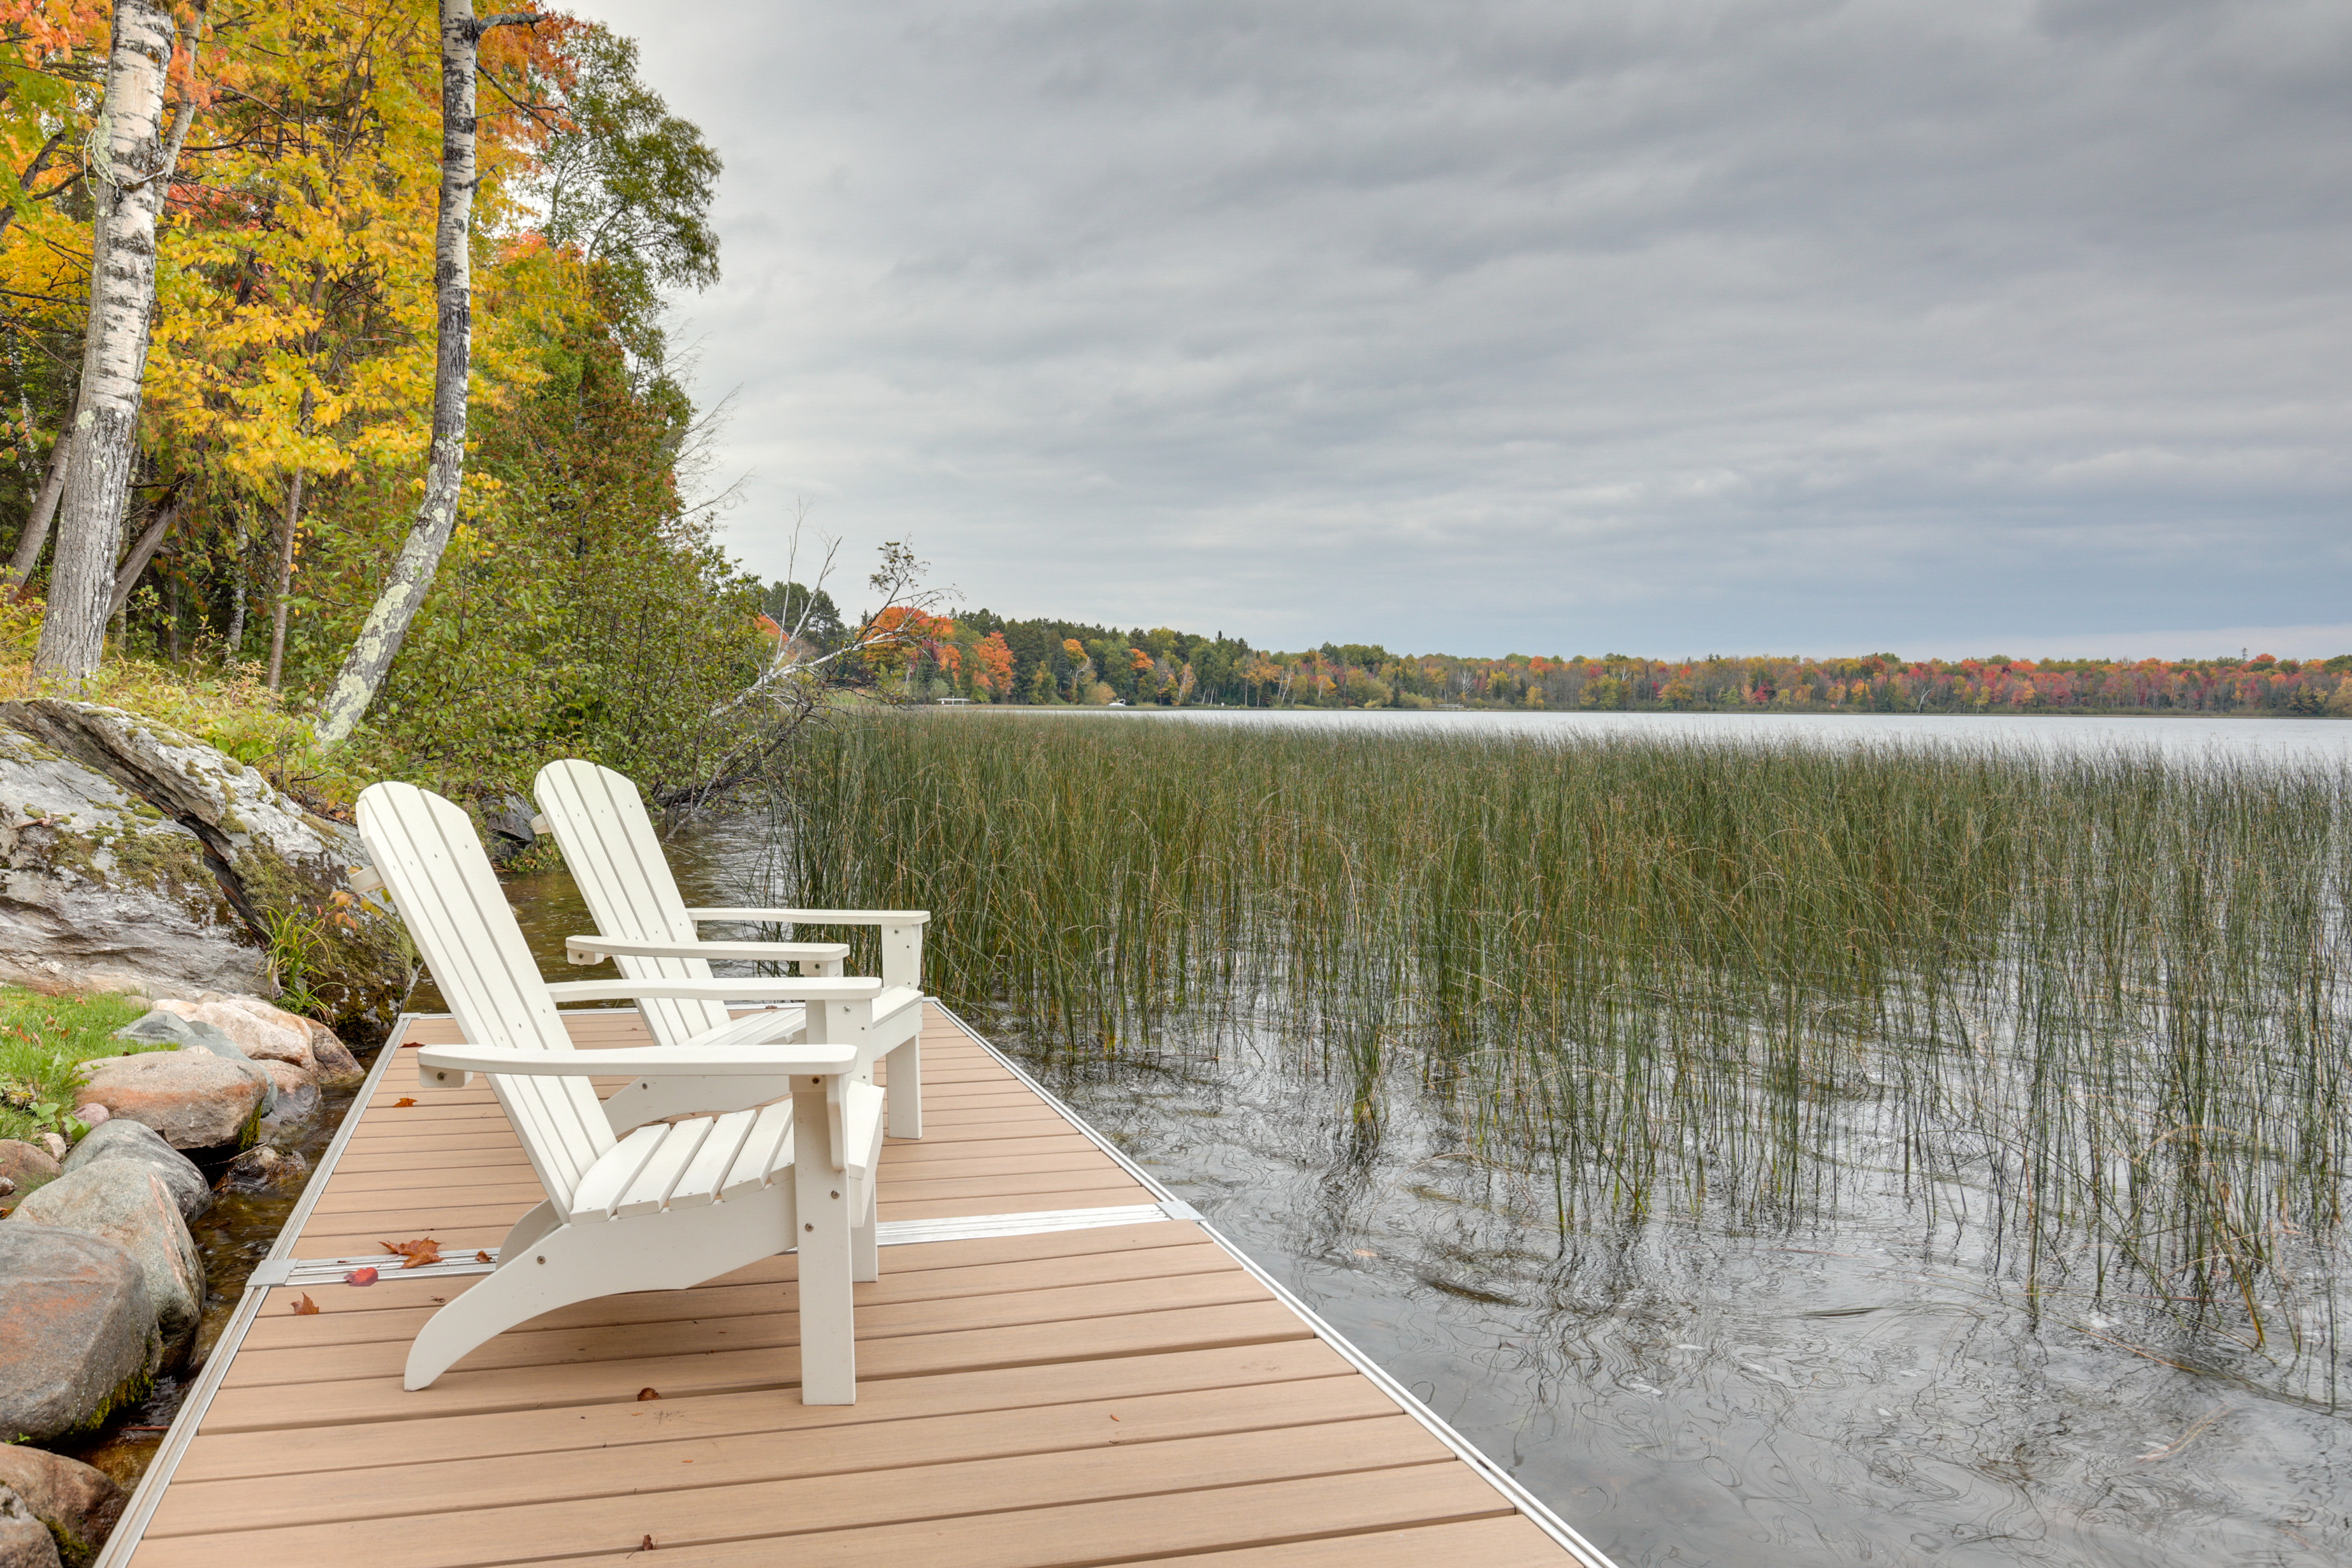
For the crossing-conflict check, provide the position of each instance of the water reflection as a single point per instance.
(1686, 1395)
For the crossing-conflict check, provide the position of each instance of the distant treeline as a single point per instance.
(979, 656)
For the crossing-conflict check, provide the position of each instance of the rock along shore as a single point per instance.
(102, 1287)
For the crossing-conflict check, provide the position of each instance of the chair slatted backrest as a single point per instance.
(614, 853)
(425, 851)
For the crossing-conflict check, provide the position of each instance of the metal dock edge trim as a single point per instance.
(144, 1497)
(1527, 1502)
(888, 1233)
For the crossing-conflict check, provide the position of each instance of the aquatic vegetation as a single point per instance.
(2091, 1005)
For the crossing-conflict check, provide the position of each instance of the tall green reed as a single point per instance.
(2102, 994)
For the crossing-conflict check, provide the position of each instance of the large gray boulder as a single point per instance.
(77, 1337)
(25, 1541)
(131, 1206)
(78, 1504)
(163, 1027)
(260, 853)
(194, 1099)
(136, 1143)
(101, 891)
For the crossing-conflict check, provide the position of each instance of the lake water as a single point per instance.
(2324, 740)
(1869, 1391)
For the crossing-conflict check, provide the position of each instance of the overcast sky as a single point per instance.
(1666, 329)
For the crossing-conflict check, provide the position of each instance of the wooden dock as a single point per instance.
(1058, 1367)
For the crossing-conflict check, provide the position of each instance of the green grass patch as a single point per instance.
(44, 1040)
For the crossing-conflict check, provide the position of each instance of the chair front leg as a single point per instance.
(820, 1189)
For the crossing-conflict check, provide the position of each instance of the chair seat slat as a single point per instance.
(651, 1189)
(600, 1190)
(767, 1149)
(708, 1173)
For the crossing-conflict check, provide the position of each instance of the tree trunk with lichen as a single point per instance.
(131, 173)
(395, 608)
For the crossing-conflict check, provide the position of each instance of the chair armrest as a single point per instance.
(902, 931)
(816, 917)
(758, 988)
(595, 949)
(442, 1066)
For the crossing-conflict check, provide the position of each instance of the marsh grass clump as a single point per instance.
(2092, 1007)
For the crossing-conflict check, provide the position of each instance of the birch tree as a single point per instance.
(420, 556)
(130, 166)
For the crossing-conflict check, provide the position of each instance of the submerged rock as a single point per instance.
(78, 1503)
(135, 1143)
(299, 1101)
(167, 874)
(337, 1067)
(195, 1098)
(77, 1335)
(131, 1206)
(25, 1541)
(263, 1167)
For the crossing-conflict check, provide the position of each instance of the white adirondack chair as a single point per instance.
(669, 1205)
(643, 925)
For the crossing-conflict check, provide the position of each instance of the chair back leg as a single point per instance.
(904, 1089)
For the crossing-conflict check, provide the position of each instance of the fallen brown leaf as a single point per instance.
(481, 1258)
(418, 1253)
(360, 1277)
(404, 1099)
(645, 1394)
(303, 1306)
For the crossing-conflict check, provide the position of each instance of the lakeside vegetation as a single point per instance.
(2091, 1007)
(580, 603)
(979, 656)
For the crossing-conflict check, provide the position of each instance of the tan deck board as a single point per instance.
(1123, 1394)
(438, 1485)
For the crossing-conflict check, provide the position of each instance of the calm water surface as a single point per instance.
(1866, 1391)
(2181, 735)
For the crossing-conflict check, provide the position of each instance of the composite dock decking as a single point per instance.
(1123, 1393)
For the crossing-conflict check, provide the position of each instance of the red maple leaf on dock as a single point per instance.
(417, 1253)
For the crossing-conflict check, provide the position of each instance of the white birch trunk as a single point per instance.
(395, 607)
(128, 190)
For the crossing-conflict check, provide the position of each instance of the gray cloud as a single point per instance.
(1666, 328)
